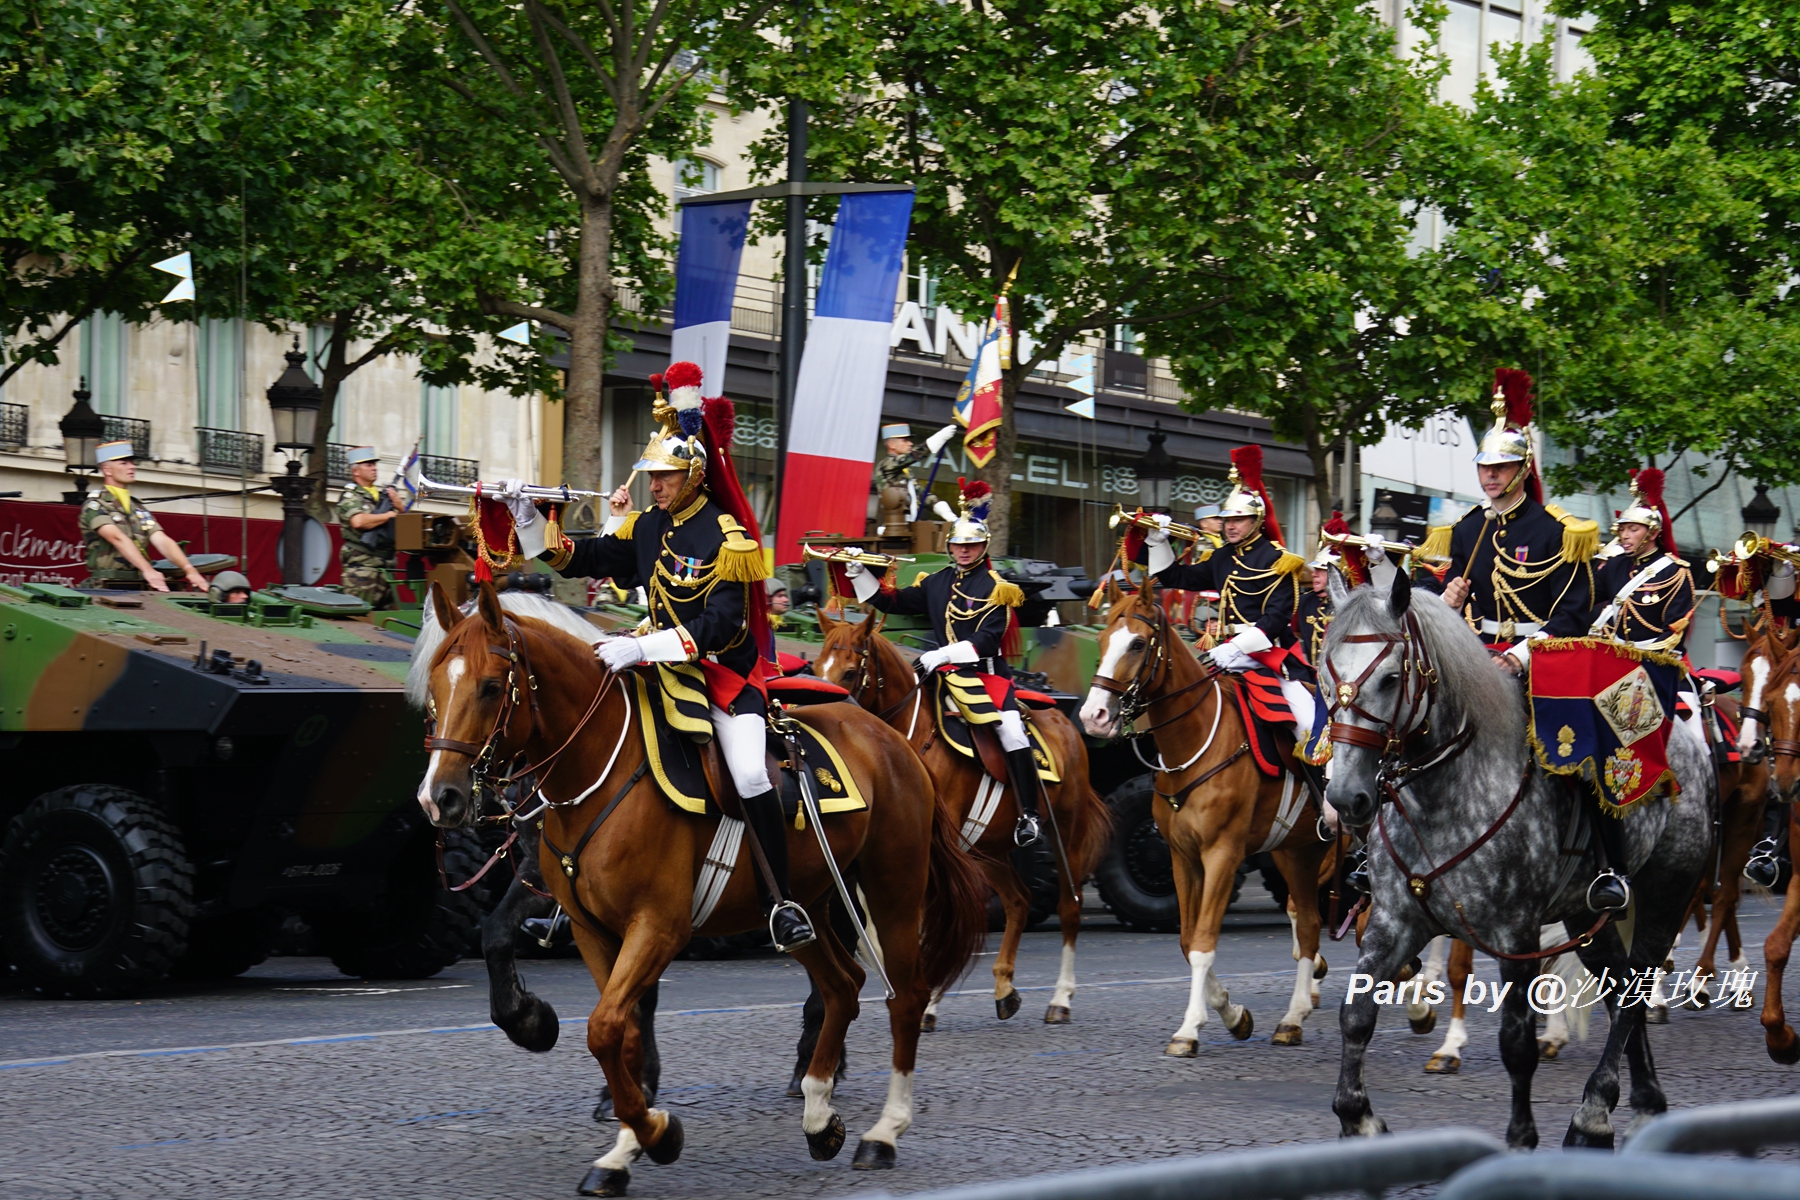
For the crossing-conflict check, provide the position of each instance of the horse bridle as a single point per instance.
(1779, 668)
(1138, 696)
(1416, 698)
(867, 672)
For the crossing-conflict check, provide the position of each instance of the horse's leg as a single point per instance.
(651, 1077)
(1389, 942)
(1647, 1099)
(1518, 1050)
(1068, 918)
(897, 899)
(1221, 871)
(1591, 1125)
(1189, 876)
(812, 1013)
(1305, 924)
(928, 1022)
(1783, 1046)
(1016, 900)
(1447, 1058)
(1420, 1014)
(614, 1041)
(525, 1018)
(839, 978)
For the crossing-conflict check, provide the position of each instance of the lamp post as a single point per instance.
(1384, 519)
(1156, 473)
(1761, 513)
(294, 401)
(82, 432)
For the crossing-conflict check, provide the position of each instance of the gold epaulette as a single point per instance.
(921, 577)
(1437, 542)
(740, 559)
(1581, 539)
(1205, 554)
(1009, 594)
(1289, 564)
(623, 532)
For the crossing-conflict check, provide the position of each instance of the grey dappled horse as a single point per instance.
(1503, 891)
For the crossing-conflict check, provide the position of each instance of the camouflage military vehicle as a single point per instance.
(181, 774)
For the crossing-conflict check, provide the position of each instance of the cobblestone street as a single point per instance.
(295, 1081)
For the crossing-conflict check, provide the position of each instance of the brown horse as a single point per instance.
(1216, 805)
(507, 688)
(1780, 695)
(1743, 794)
(858, 657)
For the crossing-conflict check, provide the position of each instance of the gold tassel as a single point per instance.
(740, 559)
(1437, 542)
(623, 532)
(1011, 595)
(1581, 539)
(1289, 564)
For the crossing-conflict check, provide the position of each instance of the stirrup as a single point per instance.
(1599, 881)
(803, 936)
(1027, 832)
(1763, 867)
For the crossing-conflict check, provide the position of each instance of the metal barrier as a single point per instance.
(1369, 1165)
(1595, 1175)
(1745, 1127)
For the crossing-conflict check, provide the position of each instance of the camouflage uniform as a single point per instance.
(104, 562)
(363, 567)
(892, 469)
(897, 490)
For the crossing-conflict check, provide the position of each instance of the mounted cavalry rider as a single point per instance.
(699, 558)
(1314, 611)
(1258, 583)
(971, 611)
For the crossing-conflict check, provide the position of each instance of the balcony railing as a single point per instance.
(127, 429)
(337, 468)
(15, 425)
(462, 471)
(230, 450)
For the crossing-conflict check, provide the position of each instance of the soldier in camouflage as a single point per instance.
(359, 512)
(120, 534)
(899, 493)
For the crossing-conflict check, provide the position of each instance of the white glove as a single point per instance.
(526, 519)
(931, 660)
(1159, 556)
(853, 569)
(943, 511)
(619, 653)
(936, 441)
(1160, 535)
(1781, 581)
(1228, 657)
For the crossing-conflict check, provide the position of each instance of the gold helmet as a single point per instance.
(1509, 441)
(1248, 496)
(1646, 507)
(969, 529)
(676, 445)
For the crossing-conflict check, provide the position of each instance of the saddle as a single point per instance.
(982, 742)
(1266, 716)
(691, 774)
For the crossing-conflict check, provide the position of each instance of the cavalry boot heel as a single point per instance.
(788, 927)
(1022, 768)
(1611, 889)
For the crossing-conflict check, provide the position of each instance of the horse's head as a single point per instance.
(1765, 650)
(478, 702)
(1367, 679)
(1132, 625)
(1780, 680)
(844, 658)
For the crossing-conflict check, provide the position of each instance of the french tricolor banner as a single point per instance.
(843, 374)
(706, 275)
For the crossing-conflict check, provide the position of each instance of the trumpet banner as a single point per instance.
(1603, 711)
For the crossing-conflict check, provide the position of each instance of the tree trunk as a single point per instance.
(331, 383)
(582, 465)
(999, 471)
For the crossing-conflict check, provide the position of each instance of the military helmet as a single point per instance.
(676, 445)
(1510, 438)
(1646, 507)
(1242, 501)
(968, 528)
(227, 582)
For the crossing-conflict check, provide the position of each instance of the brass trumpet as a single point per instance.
(1147, 521)
(1753, 544)
(845, 556)
(1371, 542)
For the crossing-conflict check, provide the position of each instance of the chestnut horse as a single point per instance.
(856, 656)
(1780, 695)
(510, 689)
(1216, 806)
(1743, 794)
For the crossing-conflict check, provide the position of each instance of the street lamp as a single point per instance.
(294, 401)
(1761, 513)
(82, 431)
(1384, 519)
(1156, 473)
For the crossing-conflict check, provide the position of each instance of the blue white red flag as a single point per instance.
(706, 274)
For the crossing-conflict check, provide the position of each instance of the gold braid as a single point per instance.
(663, 599)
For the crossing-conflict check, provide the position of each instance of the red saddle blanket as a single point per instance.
(1267, 717)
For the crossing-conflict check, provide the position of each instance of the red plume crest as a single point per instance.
(682, 374)
(1515, 385)
(1249, 463)
(1650, 487)
(1337, 525)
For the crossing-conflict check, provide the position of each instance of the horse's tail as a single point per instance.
(954, 926)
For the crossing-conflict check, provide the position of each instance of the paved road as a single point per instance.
(294, 1081)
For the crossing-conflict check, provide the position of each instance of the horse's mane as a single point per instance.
(1471, 688)
(523, 604)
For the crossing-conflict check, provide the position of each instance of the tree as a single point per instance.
(1139, 167)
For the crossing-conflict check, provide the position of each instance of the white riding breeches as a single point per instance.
(1300, 702)
(1012, 731)
(743, 740)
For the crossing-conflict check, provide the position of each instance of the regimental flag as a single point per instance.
(706, 275)
(978, 402)
(1603, 710)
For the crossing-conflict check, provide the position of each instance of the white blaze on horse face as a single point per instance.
(453, 670)
(897, 1114)
(824, 667)
(817, 1113)
(1759, 680)
(1102, 706)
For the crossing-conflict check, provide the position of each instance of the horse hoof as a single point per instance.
(927, 1024)
(605, 1181)
(1656, 1014)
(1244, 1028)
(1548, 1050)
(1320, 967)
(1426, 1023)
(1285, 1035)
(873, 1156)
(1183, 1048)
(1575, 1139)
(1007, 1006)
(794, 1086)
(825, 1144)
(1784, 1046)
(534, 1028)
(1443, 1064)
(668, 1146)
(1700, 1001)
(1056, 1014)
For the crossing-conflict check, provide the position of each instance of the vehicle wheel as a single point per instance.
(96, 892)
(419, 927)
(224, 945)
(1135, 876)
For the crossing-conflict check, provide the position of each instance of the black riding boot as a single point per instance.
(788, 927)
(1023, 769)
(1611, 889)
(1764, 867)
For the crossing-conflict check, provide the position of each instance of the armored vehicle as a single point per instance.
(181, 774)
